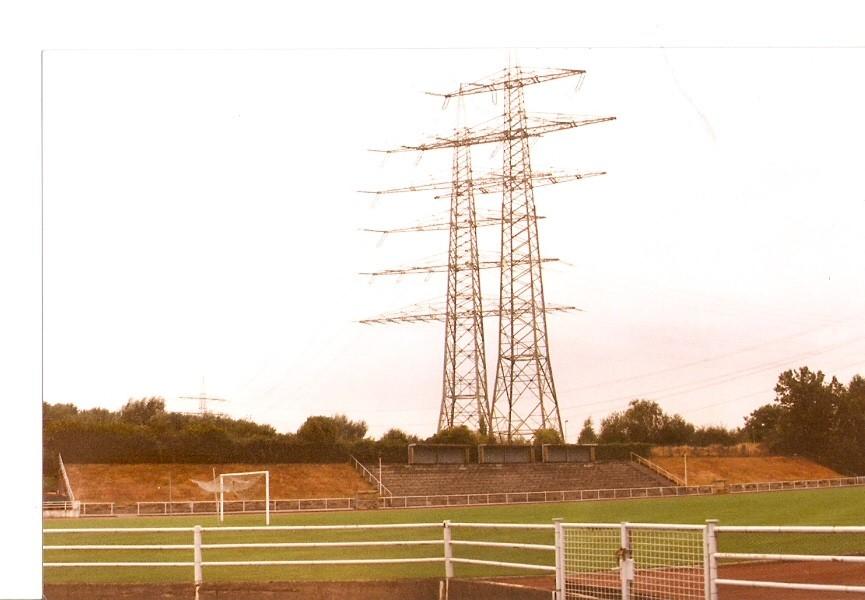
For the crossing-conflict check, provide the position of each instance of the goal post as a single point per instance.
(232, 486)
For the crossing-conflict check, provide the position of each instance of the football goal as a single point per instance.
(234, 483)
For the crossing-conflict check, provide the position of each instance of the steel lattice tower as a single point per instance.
(524, 399)
(464, 382)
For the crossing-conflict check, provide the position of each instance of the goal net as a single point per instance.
(228, 486)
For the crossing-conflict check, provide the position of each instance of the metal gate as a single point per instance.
(634, 562)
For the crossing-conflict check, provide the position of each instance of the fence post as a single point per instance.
(267, 497)
(626, 563)
(449, 550)
(710, 563)
(196, 556)
(560, 559)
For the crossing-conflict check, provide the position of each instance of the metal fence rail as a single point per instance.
(198, 547)
(772, 536)
(800, 484)
(622, 560)
(152, 508)
(542, 497)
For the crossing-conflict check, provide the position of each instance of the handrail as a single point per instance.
(370, 477)
(66, 479)
(657, 469)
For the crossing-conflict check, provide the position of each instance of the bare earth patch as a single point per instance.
(159, 482)
(704, 470)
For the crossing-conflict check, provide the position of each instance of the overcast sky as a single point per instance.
(202, 227)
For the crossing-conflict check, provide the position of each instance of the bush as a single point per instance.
(622, 451)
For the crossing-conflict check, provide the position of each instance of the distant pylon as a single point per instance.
(464, 382)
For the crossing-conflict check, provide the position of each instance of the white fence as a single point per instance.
(442, 500)
(803, 484)
(773, 537)
(242, 506)
(445, 541)
(632, 561)
(541, 497)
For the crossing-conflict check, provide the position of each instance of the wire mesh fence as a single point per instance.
(637, 562)
(667, 563)
(591, 562)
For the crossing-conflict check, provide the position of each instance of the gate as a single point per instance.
(634, 562)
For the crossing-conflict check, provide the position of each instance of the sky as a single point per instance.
(203, 227)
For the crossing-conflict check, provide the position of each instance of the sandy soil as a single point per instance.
(704, 470)
(150, 482)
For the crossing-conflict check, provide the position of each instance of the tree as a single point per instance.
(641, 422)
(547, 436)
(674, 430)
(141, 412)
(847, 450)
(330, 430)
(58, 412)
(814, 417)
(715, 434)
(762, 424)
(455, 435)
(587, 433)
(644, 421)
(397, 437)
(808, 405)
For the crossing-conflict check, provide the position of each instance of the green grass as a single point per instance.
(807, 507)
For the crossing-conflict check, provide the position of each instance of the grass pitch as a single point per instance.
(807, 507)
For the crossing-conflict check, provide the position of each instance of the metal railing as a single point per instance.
(799, 484)
(152, 508)
(623, 560)
(714, 531)
(657, 469)
(445, 541)
(368, 476)
(65, 476)
(541, 497)
(202, 507)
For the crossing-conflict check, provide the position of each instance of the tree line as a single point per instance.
(811, 416)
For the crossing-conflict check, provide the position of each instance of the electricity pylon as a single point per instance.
(464, 399)
(464, 379)
(203, 399)
(524, 398)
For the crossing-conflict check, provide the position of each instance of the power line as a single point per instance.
(722, 378)
(702, 360)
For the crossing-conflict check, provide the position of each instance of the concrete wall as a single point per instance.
(505, 454)
(438, 454)
(571, 453)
